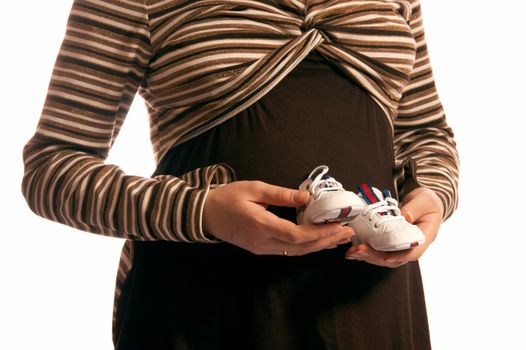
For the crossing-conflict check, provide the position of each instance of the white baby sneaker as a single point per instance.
(381, 223)
(329, 201)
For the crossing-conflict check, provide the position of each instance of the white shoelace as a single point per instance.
(320, 185)
(389, 206)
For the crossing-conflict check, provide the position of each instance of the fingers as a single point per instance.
(273, 235)
(420, 202)
(275, 246)
(423, 208)
(236, 213)
(364, 252)
(288, 232)
(324, 232)
(343, 236)
(275, 195)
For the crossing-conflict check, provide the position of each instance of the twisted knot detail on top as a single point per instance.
(260, 42)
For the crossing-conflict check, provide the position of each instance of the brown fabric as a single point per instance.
(198, 296)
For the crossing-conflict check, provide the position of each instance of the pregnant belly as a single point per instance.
(314, 116)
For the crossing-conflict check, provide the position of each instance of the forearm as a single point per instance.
(79, 190)
(425, 148)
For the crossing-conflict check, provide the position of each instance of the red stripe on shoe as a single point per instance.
(344, 212)
(367, 191)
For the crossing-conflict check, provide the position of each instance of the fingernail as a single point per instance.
(391, 260)
(300, 196)
(349, 231)
(336, 230)
(345, 240)
(355, 257)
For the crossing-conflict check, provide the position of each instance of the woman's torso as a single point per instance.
(218, 296)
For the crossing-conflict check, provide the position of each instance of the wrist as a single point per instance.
(207, 215)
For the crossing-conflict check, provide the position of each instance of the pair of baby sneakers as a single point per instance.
(373, 214)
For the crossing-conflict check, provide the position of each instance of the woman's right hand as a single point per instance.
(237, 213)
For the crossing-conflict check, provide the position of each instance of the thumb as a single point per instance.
(281, 196)
(420, 202)
(411, 209)
(408, 214)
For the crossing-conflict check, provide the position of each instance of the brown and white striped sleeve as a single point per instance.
(99, 68)
(425, 148)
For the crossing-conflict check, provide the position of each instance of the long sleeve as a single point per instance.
(99, 68)
(425, 148)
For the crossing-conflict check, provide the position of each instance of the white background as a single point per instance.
(56, 283)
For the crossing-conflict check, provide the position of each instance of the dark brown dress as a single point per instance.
(218, 296)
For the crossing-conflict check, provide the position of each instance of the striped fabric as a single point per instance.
(198, 63)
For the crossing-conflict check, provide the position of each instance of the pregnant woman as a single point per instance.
(245, 98)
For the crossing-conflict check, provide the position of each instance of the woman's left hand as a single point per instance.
(421, 207)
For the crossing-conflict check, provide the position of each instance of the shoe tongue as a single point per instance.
(326, 183)
(370, 194)
(373, 195)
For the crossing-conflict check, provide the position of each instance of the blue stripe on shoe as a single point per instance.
(367, 193)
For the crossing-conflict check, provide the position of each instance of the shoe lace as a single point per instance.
(321, 185)
(383, 211)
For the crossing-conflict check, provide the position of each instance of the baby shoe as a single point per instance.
(329, 201)
(381, 224)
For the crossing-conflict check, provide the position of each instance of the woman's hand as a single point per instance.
(421, 207)
(237, 213)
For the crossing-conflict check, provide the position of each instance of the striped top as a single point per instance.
(198, 63)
